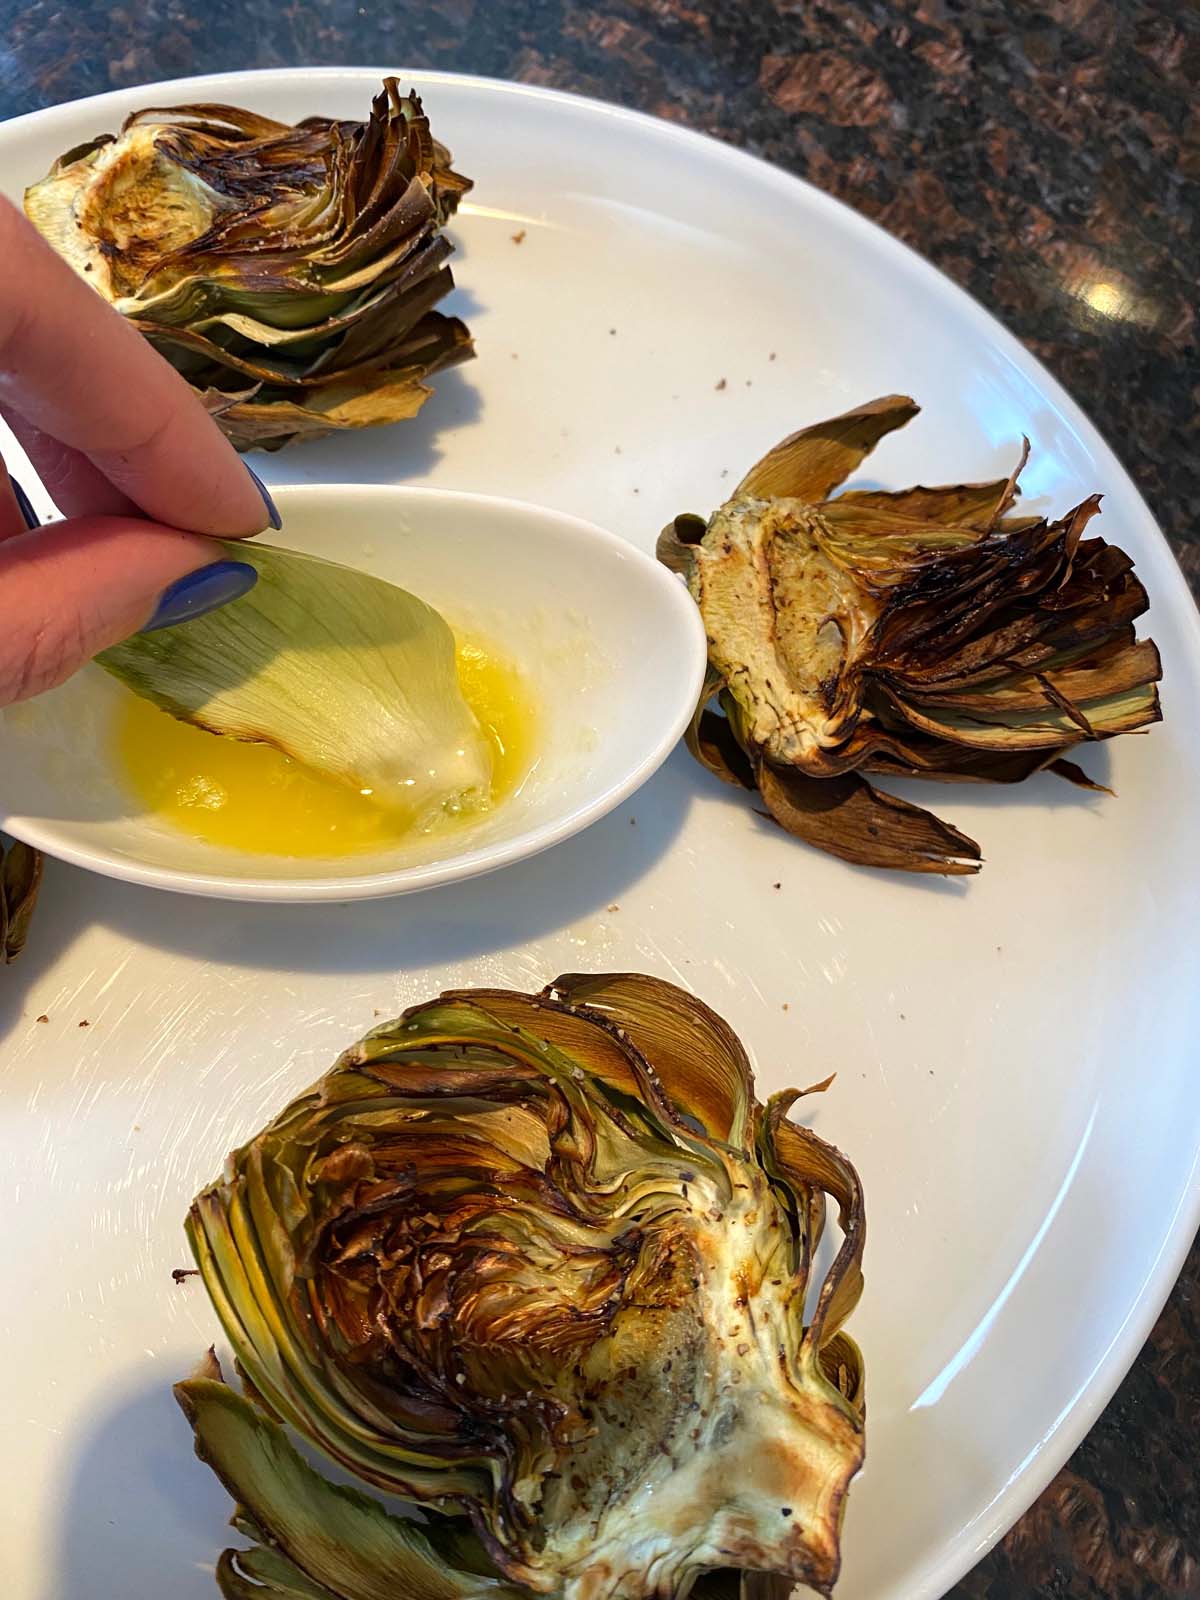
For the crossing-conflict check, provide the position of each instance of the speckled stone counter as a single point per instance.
(1047, 157)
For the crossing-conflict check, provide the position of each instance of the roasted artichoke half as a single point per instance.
(20, 880)
(539, 1264)
(921, 633)
(289, 273)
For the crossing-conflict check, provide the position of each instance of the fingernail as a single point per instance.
(24, 505)
(202, 591)
(272, 508)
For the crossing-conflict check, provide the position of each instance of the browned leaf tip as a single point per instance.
(809, 464)
(851, 819)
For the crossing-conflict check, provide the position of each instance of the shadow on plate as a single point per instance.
(401, 452)
(1045, 792)
(138, 1516)
(563, 886)
(53, 930)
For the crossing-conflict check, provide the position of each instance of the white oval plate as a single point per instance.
(607, 642)
(1015, 1053)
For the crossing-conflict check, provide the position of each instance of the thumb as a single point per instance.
(71, 589)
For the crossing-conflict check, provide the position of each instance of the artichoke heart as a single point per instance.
(288, 272)
(340, 670)
(20, 881)
(924, 633)
(539, 1264)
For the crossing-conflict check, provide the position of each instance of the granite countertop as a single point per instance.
(1047, 157)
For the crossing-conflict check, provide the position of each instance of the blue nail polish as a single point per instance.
(202, 591)
(24, 504)
(272, 509)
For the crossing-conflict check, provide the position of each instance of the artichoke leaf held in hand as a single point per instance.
(541, 1262)
(341, 670)
(920, 633)
(290, 273)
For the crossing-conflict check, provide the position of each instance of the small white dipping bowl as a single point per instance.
(611, 647)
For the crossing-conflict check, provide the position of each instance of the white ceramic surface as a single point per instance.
(607, 642)
(1016, 1054)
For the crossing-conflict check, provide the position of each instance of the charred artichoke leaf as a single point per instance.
(697, 1057)
(711, 740)
(289, 273)
(850, 818)
(20, 881)
(542, 1261)
(341, 670)
(728, 1584)
(316, 1540)
(963, 505)
(677, 543)
(810, 464)
(803, 1162)
(924, 632)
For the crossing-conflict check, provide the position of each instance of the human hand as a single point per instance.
(128, 454)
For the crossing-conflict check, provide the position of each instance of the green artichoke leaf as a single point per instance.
(263, 1574)
(923, 632)
(1049, 723)
(20, 882)
(319, 1541)
(349, 674)
(541, 1261)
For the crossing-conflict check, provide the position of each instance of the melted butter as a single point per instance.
(253, 797)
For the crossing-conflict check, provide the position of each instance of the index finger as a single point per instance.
(72, 367)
